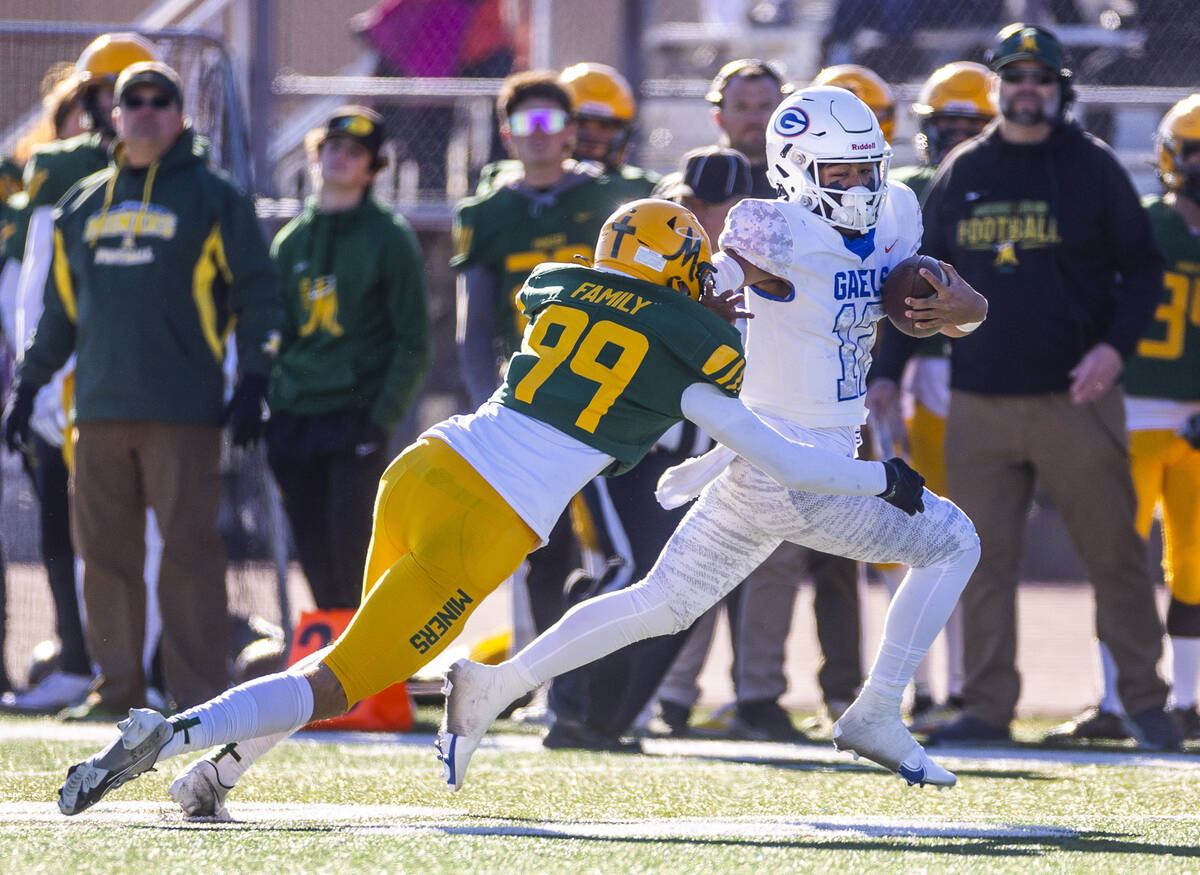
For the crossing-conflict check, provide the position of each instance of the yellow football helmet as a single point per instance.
(1181, 124)
(599, 91)
(868, 87)
(657, 241)
(107, 55)
(961, 89)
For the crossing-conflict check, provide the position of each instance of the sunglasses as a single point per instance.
(1037, 77)
(158, 101)
(525, 122)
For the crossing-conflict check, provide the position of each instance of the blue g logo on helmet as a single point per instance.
(792, 122)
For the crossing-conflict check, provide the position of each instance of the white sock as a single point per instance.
(268, 705)
(917, 613)
(593, 629)
(1185, 656)
(232, 760)
(1110, 699)
(954, 653)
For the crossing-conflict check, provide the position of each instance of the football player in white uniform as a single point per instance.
(815, 260)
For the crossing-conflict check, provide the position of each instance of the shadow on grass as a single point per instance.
(821, 765)
(937, 841)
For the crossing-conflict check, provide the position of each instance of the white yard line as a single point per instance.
(409, 820)
(1001, 758)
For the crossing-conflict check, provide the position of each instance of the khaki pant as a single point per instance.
(121, 468)
(996, 448)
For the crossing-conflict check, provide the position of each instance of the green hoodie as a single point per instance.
(152, 270)
(355, 332)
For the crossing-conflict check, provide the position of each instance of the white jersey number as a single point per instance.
(855, 331)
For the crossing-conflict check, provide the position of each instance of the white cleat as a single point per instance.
(54, 692)
(886, 741)
(199, 792)
(144, 733)
(475, 696)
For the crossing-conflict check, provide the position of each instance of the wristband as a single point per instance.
(728, 273)
(968, 327)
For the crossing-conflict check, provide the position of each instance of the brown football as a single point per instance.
(904, 281)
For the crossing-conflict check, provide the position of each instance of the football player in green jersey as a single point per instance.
(1162, 409)
(604, 110)
(551, 209)
(614, 355)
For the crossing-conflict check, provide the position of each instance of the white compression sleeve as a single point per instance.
(794, 465)
(265, 706)
(729, 274)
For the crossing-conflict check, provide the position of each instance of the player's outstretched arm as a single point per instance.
(793, 465)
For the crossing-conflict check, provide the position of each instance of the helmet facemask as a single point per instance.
(855, 208)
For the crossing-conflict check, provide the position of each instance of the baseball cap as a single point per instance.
(712, 174)
(154, 73)
(358, 123)
(1025, 42)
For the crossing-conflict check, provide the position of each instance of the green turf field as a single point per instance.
(374, 803)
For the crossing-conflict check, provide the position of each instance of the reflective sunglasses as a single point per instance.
(525, 122)
(1037, 77)
(158, 101)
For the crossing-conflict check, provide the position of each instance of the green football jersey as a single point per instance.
(1167, 361)
(49, 174)
(915, 176)
(509, 233)
(607, 358)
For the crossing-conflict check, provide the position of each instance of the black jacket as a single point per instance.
(1053, 235)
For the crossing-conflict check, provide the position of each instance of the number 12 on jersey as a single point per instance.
(562, 334)
(855, 331)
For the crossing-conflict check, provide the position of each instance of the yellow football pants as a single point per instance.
(927, 443)
(443, 540)
(1166, 471)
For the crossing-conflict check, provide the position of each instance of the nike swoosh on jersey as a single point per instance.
(889, 248)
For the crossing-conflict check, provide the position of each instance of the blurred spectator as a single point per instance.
(955, 104)
(434, 38)
(184, 250)
(604, 110)
(77, 118)
(1163, 410)
(354, 349)
(743, 95)
(1035, 210)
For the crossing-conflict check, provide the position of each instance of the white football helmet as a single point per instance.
(820, 126)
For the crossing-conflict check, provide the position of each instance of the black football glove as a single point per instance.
(905, 487)
(1191, 431)
(244, 413)
(16, 417)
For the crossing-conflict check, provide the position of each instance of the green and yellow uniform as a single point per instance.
(1162, 381)
(510, 230)
(927, 425)
(49, 174)
(600, 374)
